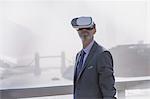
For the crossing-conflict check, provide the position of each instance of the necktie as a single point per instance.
(79, 66)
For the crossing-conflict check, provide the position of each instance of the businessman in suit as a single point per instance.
(93, 76)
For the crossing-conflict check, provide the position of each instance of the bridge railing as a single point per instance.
(121, 86)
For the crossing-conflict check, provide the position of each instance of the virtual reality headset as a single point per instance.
(82, 22)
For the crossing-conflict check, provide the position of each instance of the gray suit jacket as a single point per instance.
(96, 79)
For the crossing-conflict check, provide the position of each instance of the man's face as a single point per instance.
(86, 34)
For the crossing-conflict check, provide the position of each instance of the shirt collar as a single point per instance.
(87, 49)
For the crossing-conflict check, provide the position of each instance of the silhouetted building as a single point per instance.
(131, 60)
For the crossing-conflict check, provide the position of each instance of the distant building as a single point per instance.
(131, 60)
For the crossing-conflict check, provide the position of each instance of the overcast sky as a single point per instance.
(29, 26)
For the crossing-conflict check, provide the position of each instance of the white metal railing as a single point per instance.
(121, 86)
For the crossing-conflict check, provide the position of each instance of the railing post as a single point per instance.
(121, 94)
(63, 62)
(37, 70)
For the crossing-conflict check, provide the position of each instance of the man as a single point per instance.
(93, 77)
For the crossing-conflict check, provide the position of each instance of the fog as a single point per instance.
(28, 27)
(44, 25)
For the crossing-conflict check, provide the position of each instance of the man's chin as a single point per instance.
(85, 39)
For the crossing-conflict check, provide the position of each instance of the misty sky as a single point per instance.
(29, 26)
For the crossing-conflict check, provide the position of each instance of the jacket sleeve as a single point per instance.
(106, 78)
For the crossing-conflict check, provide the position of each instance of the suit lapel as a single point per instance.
(89, 57)
(76, 62)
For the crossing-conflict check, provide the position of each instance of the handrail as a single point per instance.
(121, 86)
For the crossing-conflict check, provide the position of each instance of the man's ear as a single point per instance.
(94, 28)
(94, 31)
